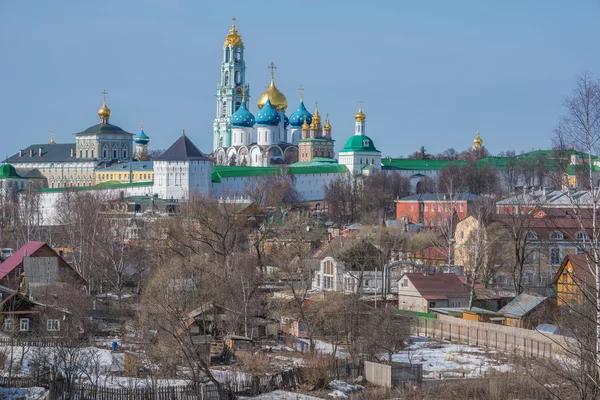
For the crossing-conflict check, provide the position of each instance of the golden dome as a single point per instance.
(305, 125)
(327, 124)
(360, 115)
(104, 112)
(313, 125)
(234, 38)
(316, 115)
(277, 98)
(478, 141)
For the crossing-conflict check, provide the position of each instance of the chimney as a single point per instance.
(20, 153)
(40, 152)
(72, 152)
(30, 152)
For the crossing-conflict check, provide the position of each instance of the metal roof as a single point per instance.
(521, 305)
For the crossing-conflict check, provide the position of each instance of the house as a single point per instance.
(574, 281)
(421, 292)
(334, 275)
(433, 209)
(519, 312)
(45, 266)
(22, 316)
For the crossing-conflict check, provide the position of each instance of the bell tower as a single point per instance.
(230, 89)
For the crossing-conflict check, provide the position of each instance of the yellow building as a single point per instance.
(127, 172)
(574, 280)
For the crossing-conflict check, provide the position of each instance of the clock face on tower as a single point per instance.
(224, 91)
(238, 90)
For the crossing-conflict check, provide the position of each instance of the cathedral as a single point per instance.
(268, 138)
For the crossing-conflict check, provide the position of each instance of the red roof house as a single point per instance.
(12, 271)
(421, 292)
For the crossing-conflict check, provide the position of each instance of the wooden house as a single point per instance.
(574, 281)
(422, 292)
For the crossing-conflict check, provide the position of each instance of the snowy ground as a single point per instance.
(452, 360)
(32, 393)
(325, 348)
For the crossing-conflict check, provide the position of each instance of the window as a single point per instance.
(581, 236)
(555, 256)
(238, 54)
(9, 325)
(456, 304)
(226, 77)
(227, 54)
(366, 143)
(238, 77)
(53, 325)
(432, 304)
(439, 208)
(530, 235)
(224, 109)
(556, 235)
(24, 324)
(237, 106)
(366, 282)
(461, 207)
(412, 208)
(426, 207)
(447, 209)
(327, 282)
(404, 283)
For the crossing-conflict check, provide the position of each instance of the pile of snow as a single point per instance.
(32, 393)
(322, 347)
(340, 389)
(451, 360)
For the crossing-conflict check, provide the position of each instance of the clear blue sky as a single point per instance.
(429, 72)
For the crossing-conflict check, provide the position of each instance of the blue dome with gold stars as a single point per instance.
(141, 138)
(300, 115)
(268, 115)
(242, 117)
(286, 121)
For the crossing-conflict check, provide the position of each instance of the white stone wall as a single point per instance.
(176, 179)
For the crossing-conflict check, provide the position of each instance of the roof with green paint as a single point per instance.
(104, 185)
(359, 143)
(416, 165)
(319, 139)
(7, 171)
(317, 161)
(222, 171)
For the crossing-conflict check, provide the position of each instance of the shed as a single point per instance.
(517, 313)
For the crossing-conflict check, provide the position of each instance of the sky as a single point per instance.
(429, 73)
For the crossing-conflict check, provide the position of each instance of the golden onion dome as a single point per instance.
(360, 115)
(316, 115)
(313, 126)
(305, 125)
(104, 112)
(273, 94)
(327, 126)
(478, 141)
(234, 38)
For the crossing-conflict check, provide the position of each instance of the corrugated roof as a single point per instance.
(50, 153)
(17, 258)
(104, 185)
(133, 166)
(521, 305)
(103, 129)
(223, 171)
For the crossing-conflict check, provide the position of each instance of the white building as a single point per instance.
(359, 154)
(181, 171)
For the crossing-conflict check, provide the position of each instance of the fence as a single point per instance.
(519, 341)
(396, 374)
(33, 342)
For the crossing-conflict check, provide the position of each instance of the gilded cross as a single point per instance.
(104, 92)
(51, 135)
(142, 124)
(272, 67)
(301, 89)
(233, 21)
(360, 103)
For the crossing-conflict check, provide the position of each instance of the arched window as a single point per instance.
(105, 151)
(360, 160)
(238, 54)
(238, 77)
(115, 152)
(237, 105)
(316, 153)
(328, 153)
(226, 77)
(227, 54)
(358, 128)
(125, 151)
(556, 235)
(322, 153)
(581, 236)
(530, 235)
(224, 109)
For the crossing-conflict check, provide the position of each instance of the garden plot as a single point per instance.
(452, 360)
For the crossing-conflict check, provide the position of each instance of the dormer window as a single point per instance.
(366, 143)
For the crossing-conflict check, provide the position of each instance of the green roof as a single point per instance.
(416, 165)
(8, 171)
(222, 171)
(317, 161)
(104, 185)
(359, 143)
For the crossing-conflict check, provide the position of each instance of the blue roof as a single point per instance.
(141, 138)
(300, 115)
(286, 121)
(268, 115)
(242, 117)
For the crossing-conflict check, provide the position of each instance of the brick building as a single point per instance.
(431, 209)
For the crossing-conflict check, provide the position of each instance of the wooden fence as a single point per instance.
(518, 341)
(396, 374)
